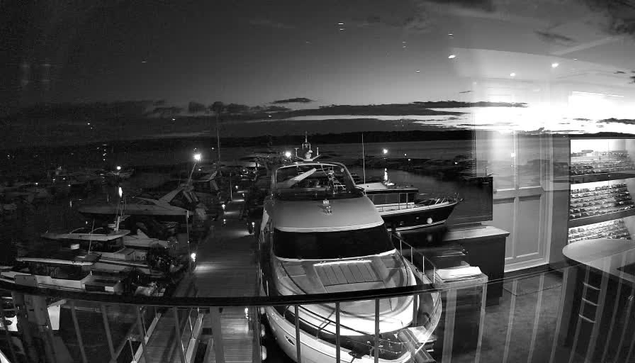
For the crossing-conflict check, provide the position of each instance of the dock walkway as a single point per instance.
(226, 266)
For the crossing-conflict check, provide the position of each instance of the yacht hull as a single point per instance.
(415, 216)
(162, 214)
(312, 349)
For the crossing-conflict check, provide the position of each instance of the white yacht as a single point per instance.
(61, 271)
(176, 205)
(321, 234)
(138, 240)
(119, 252)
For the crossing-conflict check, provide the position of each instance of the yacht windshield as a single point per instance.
(315, 181)
(330, 245)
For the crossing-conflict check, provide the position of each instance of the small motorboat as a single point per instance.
(120, 252)
(403, 209)
(62, 271)
(177, 205)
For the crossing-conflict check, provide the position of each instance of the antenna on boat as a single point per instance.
(119, 213)
(307, 151)
(90, 239)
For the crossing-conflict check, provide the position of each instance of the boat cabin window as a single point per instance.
(103, 246)
(68, 272)
(331, 245)
(392, 198)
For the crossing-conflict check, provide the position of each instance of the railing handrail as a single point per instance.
(245, 301)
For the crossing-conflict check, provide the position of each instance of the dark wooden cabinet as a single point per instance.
(485, 247)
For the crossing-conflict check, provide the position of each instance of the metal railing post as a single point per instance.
(6, 332)
(629, 307)
(219, 349)
(534, 332)
(448, 329)
(598, 314)
(376, 343)
(565, 278)
(142, 333)
(78, 332)
(630, 350)
(510, 322)
(297, 334)
(337, 332)
(481, 324)
(179, 338)
(111, 347)
(615, 309)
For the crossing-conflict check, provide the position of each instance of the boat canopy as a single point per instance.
(314, 180)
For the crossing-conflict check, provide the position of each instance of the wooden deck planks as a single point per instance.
(237, 336)
(226, 266)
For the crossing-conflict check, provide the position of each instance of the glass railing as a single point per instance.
(569, 315)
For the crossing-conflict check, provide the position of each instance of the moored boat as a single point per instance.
(62, 271)
(402, 209)
(321, 234)
(115, 256)
(176, 205)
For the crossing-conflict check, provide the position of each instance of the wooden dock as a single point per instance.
(226, 266)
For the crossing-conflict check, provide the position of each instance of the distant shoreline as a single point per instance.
(159, 141)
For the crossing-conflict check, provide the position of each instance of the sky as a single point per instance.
(332, 52)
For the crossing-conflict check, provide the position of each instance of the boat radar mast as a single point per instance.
(306, 151)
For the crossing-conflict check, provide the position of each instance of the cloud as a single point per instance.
(270, 24)
(375, 20)
(293, 100)
(425, 15)
(485, 5)
(618, 16)
(551, 37)
(618, 121)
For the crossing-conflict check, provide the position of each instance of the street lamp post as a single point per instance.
(197, 158)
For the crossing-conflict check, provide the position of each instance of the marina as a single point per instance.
(225, 260)
(317, 182)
